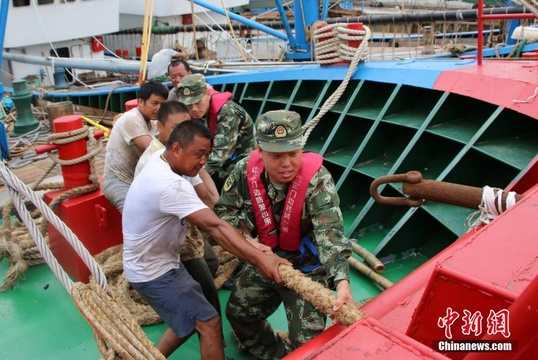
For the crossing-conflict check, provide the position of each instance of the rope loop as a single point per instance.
(331, 42)
(492, 205)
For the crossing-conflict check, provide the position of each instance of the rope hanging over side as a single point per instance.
(492, 205)
(339, 33)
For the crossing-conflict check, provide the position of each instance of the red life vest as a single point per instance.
(218, 100)
(289, 236)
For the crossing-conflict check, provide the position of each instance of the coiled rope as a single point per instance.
(331, 47)
(94, 147)
(110, 261)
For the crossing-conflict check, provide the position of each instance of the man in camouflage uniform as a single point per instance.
(266, 188)
(230, 125)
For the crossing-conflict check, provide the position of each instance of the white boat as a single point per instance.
(76, 29)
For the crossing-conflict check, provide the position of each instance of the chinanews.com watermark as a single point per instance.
(474, 346)
(472, 325)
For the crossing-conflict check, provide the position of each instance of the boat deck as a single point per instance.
(49, 326)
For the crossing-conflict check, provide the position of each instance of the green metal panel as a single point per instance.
(371, 100)
(258, 109)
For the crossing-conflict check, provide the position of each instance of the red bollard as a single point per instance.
(355, 26)
(92, 218)
(78, 174)
(329, 37)
(131, 104)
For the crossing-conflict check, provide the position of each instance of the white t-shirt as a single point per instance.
(121, 152)
(153, 220)
(154, 146)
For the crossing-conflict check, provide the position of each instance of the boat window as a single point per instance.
(45, 2)
(17, 3)
(63, 52)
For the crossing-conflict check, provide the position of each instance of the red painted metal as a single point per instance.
(131, 104)
(96, 223)
(501, 82)
(530, 54)
(480, 36)
(451, 293)
(355, 26)
(500, 257)
(91, 217)
(41, 149)
(480, 23)
(383, 343)
(78, 174)
(524, 327)
(97, 44)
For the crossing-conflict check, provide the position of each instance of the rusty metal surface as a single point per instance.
(419, 190)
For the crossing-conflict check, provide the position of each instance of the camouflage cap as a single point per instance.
(279, 131)
(191, 89)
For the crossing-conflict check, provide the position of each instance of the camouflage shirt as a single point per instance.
(230, 143)
(321, 218)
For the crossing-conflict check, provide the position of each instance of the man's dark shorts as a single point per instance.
(177, 299)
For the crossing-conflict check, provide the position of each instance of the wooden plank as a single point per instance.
(103, 117)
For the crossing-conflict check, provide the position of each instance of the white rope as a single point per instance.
(490, 207)
(529, 99)
(359, 54)
(38, 238)
(16, 187)
(331, 43)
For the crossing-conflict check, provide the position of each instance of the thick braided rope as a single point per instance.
(110, 321)
(113, 324)
(120, 289)
(110, 261)
(359, 55)
(94, 146)
(17, 188)
(318, 295)
(30, 255)
(331, 43)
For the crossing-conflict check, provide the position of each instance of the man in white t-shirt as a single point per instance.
(130, 136)
(196, 254)
(158, 206)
